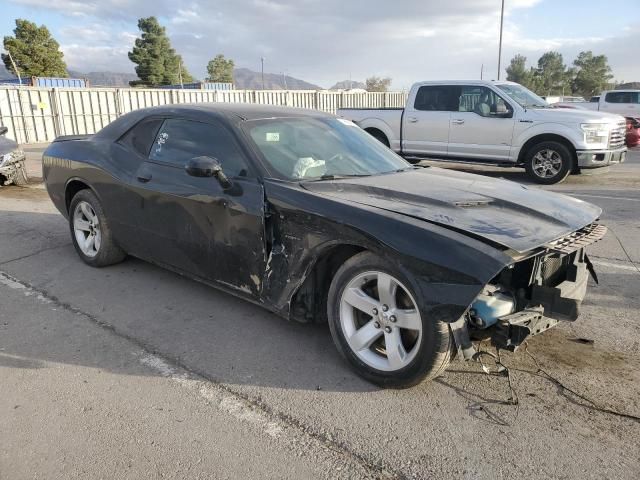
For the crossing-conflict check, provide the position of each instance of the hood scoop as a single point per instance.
(471, 203)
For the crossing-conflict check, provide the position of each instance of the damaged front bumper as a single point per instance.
(13, 168)
(545, 289)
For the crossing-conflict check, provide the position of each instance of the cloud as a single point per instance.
(321, 41)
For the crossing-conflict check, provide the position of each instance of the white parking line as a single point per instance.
(599, 196)
(615, 265)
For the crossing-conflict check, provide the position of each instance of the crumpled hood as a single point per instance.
(504, 212)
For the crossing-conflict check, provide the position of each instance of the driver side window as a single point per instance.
(180, 140)
(482, 101)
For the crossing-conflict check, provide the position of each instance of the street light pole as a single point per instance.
(262, 70)
(500, 46)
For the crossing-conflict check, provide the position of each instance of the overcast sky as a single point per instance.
(323, 41)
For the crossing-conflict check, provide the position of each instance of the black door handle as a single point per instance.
(144, 177)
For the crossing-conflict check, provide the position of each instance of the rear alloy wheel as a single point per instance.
(378, 327)
(549, 162)
(90, 232)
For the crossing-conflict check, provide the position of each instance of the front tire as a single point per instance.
(378, 327)
(90, 232)
(549, 162)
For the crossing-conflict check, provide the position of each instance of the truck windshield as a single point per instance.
(305, 148)
(525, 97)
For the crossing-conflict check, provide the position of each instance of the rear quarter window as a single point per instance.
(142, 135)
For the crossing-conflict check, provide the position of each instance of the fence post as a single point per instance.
(56, 109)
(118, 103)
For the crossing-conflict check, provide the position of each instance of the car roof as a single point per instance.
(231, 113)
(466, 82)
(245, 111)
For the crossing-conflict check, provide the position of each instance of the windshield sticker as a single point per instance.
(347, 122)
(273, 137)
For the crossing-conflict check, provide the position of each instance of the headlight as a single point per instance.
(595, 132)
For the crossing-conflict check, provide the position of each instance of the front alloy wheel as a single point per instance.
(380, 321)
(549, 162)
(378, 326)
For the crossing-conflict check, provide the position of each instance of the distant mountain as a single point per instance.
(105, 79)
(348, 85)
(96, 79)
(245, 79)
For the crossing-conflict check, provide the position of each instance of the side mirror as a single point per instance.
(500, 110)
(3, 130)
(207, 167)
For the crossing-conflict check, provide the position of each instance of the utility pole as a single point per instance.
(180, 74)
(262, 70)
(15, 69)
(481, 71)
(500, 45)
(284, 79)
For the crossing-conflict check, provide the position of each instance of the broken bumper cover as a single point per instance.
(552, 305)
(601, 158)
(11, 165)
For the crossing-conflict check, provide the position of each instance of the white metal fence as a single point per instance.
(41, 114)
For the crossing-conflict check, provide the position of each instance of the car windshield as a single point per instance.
(306, 148)
(525, 97)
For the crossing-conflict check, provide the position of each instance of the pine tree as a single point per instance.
(220, 69)
(158, 63)
(34, 52)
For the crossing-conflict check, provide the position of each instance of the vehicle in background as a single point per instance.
(621, 102)
(633, 132)
(12, 161)
(501, 123)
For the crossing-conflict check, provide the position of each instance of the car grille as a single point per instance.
(617, 135)
(578, 239)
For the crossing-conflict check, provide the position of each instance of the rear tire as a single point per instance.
(549, 162)
(399, 346)
(90, 232)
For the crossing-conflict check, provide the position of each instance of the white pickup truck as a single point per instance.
(621, 102)
(500, 123)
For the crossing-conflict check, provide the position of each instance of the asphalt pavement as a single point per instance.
(132, 371)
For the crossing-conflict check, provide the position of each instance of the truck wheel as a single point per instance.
(378, 135)
(378, 326)
(549, 162)
(90, 232)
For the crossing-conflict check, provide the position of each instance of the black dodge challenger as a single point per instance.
(304, 213)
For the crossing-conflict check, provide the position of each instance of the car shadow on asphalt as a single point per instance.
(210, 332)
